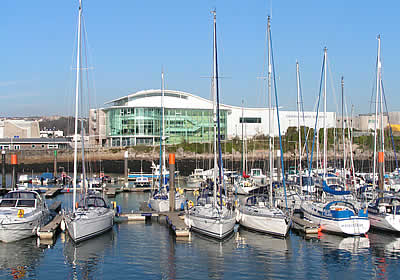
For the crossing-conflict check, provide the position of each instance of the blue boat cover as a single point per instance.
(329, 190)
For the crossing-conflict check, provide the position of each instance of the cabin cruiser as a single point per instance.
(22, 214)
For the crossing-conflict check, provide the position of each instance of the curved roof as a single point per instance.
(172, 99)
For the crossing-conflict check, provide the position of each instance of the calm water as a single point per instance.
(149, 251)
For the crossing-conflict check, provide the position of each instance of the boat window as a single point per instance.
(91, 202)
(7, 203)
(100, 203)
(26, 203)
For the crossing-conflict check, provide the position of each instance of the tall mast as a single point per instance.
(325, 131)
(269, 109)
(162, 140)
(78, 67)
(298, 119)
(214, 92)
(243, 157)
(343, 136)
(378, 70)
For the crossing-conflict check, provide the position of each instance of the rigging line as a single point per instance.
(84, 45)
(279, 124)
(221, 167)
(316, 122)
(390, 127)
(304, 121)
(332, 86)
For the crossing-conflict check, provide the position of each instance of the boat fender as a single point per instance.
(190, 204)
(76, 205)
(38, 231)
(118, 210)
(62, 225)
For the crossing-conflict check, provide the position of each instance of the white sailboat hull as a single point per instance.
(85, 224)
(162, 205)
(209, 223)
(349, 226)
(267, 224)
(388, 222)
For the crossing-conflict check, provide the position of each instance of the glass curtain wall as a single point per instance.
(134, 126)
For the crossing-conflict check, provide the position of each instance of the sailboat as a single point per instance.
(384, 211)
(212, 217)
(259, 212)
(91, 216)
(159, 200)
(336, 216)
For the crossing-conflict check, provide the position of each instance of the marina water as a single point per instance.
(149, 250)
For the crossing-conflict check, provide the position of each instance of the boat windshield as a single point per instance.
(26, 203)
(8, 203)
(25, 195)
(93, 202)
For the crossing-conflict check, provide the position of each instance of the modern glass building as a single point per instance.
(136, 119)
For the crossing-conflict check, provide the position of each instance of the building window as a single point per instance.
(250, 120)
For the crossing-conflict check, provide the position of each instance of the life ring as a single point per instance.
(190, 204)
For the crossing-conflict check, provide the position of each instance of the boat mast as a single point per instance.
(243, 157)
(325, 130)
(269, 109)
(78, 66)
(298, 120)
(162, 140)
(343, 136)
(378, 69)
(214, 93)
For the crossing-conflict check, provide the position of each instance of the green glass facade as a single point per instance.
(135, 126)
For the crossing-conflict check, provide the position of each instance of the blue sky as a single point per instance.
(129, 41)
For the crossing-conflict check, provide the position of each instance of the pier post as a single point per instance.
(3, 169)
(171, 182)
(14, 163)
(126, 167)
(55, 163)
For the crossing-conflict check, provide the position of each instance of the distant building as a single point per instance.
(19, 129)
(35, 143)
(135, 119)
(51, 133)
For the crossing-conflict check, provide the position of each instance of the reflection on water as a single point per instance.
(87, 258)
(20, 259)
(151, 251)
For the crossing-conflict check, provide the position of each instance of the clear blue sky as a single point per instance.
(129, 42)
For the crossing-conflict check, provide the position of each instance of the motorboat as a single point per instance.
(22, 214)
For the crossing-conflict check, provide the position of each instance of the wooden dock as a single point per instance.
(110, 192)
(176, 222)
(304, 225)
(50, 230)
(135, 217)
(52, 192)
